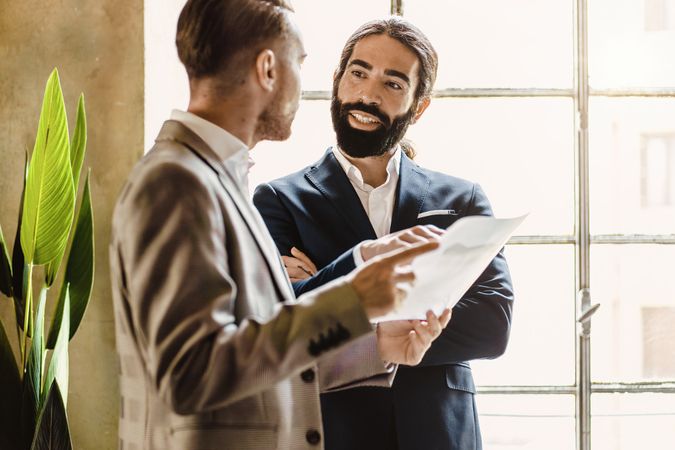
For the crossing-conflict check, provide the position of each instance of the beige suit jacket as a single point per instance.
(215, 352)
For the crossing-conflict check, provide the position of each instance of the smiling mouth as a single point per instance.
(364, 119)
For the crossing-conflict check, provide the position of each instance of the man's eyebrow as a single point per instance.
(362, 63)
(396, 73)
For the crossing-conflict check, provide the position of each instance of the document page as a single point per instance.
(444, 275)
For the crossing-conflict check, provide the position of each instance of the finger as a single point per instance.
(297, 272)
(290, 262)
(425, 331)
(434, 324)
(435, 230)
(411, 238)
(427, 231)
(445, 317)
(405, 255)
(403, 275)
(304, 258)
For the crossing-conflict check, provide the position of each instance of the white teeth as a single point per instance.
(363, 119)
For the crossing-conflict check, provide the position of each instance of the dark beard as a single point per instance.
(363, 144)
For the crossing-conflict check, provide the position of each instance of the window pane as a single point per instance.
(632, 333)
(633, 421)
(632, 165)
(498, 43)
(325, 27)
(312, 134)
(526, 422)
(520, 150)
(631, 43)
(543, 320)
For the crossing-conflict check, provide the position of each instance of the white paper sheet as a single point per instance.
(444, 275)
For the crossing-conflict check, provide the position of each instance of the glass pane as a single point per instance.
(498, 43)
(526, 422)
(632, 165)
(543, 320)
(631, 43)
(633, 333)
(312, 133)
(633, 421)
(325, 27)
(520, 150)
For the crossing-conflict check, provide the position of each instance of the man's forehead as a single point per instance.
(384, 52)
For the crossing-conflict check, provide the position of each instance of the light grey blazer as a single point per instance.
(215, 352)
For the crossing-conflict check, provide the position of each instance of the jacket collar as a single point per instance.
(176, 131)
(412, 190)
(329, 178)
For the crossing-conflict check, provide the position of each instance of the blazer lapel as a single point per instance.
(329, 178)
(412, 189)
(176, 131)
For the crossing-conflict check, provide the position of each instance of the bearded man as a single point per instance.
(357, 201)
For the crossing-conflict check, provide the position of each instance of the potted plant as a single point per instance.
(34, 383)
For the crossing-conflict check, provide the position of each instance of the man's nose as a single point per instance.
(370, 93)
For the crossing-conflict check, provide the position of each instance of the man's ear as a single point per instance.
(266, 69)
(422, 105)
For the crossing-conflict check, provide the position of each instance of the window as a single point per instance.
(659, 15)
(657, 178)
(567, 109)
(508, 112)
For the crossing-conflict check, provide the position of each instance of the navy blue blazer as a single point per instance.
(430, 406)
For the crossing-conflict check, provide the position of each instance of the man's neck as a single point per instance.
(233, 114)
(373, 168)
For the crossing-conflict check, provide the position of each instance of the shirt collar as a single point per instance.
(354, 174)
(222, 142)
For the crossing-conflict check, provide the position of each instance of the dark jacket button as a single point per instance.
(307, 376)
(313, 437)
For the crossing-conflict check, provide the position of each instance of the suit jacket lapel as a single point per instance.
(329, 178)
(412, 189)
(174, 130)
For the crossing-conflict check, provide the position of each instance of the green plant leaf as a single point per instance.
(5, 268)
(79, 270)
(50, 196)
(29, 412)
(52, 431)
(36, 357)
(78, 145)
(58, 366)
(10, 393)
(19, 266)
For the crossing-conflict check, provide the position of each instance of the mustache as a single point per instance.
(370, 109)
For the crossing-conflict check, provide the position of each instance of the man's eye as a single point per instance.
(357, 73)
(394, 85)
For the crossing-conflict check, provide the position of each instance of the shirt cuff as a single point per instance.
(358, 258)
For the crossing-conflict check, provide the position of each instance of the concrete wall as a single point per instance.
(97, 46)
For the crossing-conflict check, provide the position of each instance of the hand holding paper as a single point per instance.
(445, 274)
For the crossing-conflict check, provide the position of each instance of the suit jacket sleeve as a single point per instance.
(182, 299)
(481, 320)
(285, 233)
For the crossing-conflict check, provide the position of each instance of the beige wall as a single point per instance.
(97, 46)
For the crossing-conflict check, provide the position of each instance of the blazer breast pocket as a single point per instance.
(441, 218)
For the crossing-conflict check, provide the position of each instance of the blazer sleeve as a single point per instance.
(481, 320)
(284, 230)
(181, 299)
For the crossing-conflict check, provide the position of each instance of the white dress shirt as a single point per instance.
(231, 151)
(377, 202)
